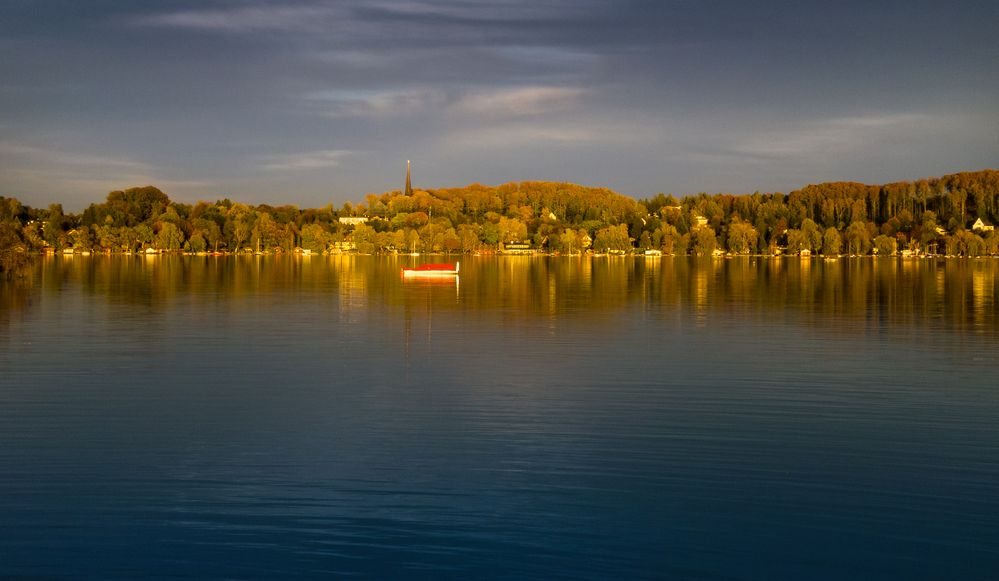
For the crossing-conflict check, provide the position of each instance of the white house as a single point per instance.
(979, 225)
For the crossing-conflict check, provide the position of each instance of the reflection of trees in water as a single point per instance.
(16, 295)
(863, 292)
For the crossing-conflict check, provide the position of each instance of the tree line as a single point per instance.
(934, 216)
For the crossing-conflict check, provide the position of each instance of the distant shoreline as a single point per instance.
(953, 215)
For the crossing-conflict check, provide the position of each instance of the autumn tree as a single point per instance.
(885, 245)
(832, 242)
(742, 238)
(858, 238)
(703, 241)
(169, 237)
(613, 238)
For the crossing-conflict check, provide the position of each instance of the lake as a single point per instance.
(586, 418)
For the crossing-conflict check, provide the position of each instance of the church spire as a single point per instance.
(409, 183)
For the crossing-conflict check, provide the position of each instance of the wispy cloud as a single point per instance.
(379, 104)
(305, 161)
(518, 135)
(59, 172)
(828, 136)
(519, 101)
(39, 156)
(118, 182)
(498, 102)
(308, 15)
(564, 131)
(395, 23)
(478, 13)
(246, 18)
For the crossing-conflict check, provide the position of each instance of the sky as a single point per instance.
(312, 102)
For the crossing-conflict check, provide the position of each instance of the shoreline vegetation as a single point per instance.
(953, 215)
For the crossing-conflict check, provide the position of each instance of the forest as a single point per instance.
(950, 215)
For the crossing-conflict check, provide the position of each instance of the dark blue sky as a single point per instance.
(320, 101)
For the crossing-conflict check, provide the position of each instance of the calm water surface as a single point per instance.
(272, 417)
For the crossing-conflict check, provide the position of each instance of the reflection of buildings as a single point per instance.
(700, 294)
(353, 287)
(980, 295)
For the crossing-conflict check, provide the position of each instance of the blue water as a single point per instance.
(277, 417)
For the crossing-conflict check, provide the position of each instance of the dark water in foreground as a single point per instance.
(543, 418)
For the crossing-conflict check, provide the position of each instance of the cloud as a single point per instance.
(499, 102)
(513, 13)
(409, 23)
(323, 17)
(379, 104)
(119, 182)
(533, 54)
(245, 18)
(58, 172)
(829, 136)
(519, 101)
(305, 161)
(510, 135)
(565, 130)
(37, 156)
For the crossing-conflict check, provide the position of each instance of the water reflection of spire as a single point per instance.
(353, 285)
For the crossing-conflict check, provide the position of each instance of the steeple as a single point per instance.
(409, 183)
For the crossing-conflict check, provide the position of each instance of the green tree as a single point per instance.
(885, 245)
(858, 238)
(703, 241)
(991, 241)
(108, 238)
(32, 234)
(209, 230)
(468, 234)
(668, 239)
(54, 227)
(315, 238)
(491, 233)
(965, 243)
(144, 235)
(831, 242)
(364, 237)
(613, 238)
(82, 238)
(412, 240)
(796, 241)
(742, 238)
(266, 234)
(13, 250)
(128, 238)
(812, 233)
(169, 237)
(568, 242)
(197, 242)
(512, 229)
(239, 225)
